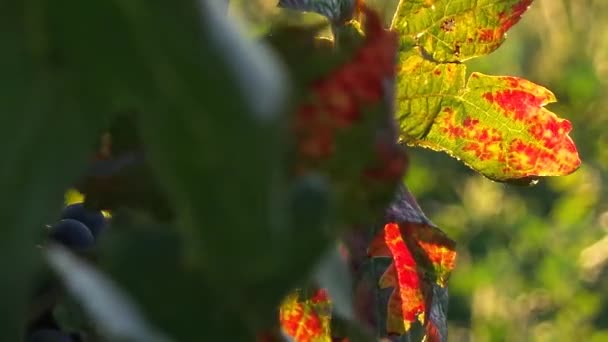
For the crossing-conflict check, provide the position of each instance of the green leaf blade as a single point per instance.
(45, 108)
(421, 87)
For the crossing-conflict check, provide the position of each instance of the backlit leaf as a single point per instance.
(497, 125)
(306, 319)
(457, 30)
(406, 302)
(422, 258)
(432, 244)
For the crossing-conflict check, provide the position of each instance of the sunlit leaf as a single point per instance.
(422, 258)
(433, 250)
(306, 319)
(406, 303)
(497, 125)
(457, 30)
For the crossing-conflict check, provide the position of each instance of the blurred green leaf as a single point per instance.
(148, 261)
(43, 101)
(207, 123)
(117, 317)
(215, 137)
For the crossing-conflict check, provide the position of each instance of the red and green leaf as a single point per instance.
(406, 303)
(433, 249)
(496, 125)
(422, 259)
(306, 319)
(419, 253)
(344, 127)
(457, 30)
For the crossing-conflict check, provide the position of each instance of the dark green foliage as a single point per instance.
(48, 335)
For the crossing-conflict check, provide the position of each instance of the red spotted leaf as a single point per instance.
(306, 319)
(420, 254)
(497, 125)
(422, 259)
(344, 128)
(457, 30)
(433, 250)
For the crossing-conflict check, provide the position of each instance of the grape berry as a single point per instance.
(77, 230)
(93, 219)
(72, 234)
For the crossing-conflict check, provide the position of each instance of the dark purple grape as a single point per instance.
(48, 335)
(72, 234)
(93, 219)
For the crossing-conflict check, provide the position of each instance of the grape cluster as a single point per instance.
(77, 229)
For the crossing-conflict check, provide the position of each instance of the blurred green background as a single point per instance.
(532, 260)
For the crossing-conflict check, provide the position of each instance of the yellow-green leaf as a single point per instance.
(497, 125)
(457, 30)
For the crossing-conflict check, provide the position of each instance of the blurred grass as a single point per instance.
(532, 260)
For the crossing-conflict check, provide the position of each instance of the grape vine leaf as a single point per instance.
(211, 119)
(117, 314)
(406, 303)
(497, 125)
(45, 94)
(457, 30)
(137, 248)
(306, 319)
(422, 259)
